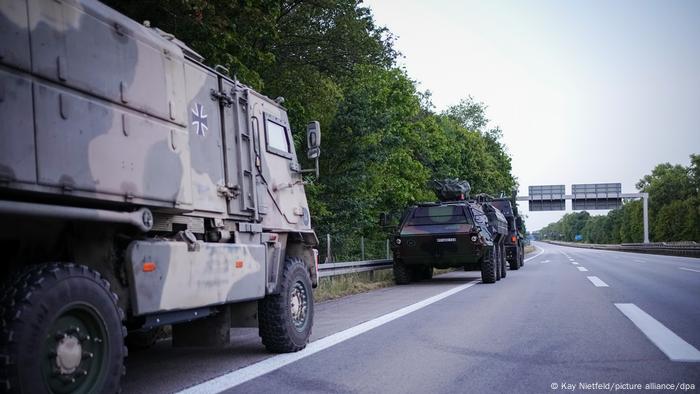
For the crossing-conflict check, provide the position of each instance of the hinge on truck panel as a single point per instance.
(222, 97)
(229, 192)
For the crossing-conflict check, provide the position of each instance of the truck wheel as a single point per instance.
(515, 262)
(286, 318)
(62, 332)
(488, 267)
(502, 261)
(402, 273)
(497, 262)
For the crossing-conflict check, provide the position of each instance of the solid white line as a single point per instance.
(688, 269)
(574, 263)
(541, 251)
(597, 282)
(582, 269)
(675, 348)
(235, 378)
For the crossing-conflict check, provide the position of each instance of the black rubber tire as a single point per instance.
(497, 262)
(488, 266)
(276, 325)
(504, 269)
(33, 301)
(403, 274)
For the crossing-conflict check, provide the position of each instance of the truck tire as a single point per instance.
(504, 270)
(285, 319)
(497, 262)
(402, 273)
(488, 267)
(66, 314)
(515, 261)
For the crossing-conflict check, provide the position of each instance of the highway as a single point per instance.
(570, 318)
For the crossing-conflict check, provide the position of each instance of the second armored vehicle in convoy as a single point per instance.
(514, 241)
(453, 232)
(138, 188)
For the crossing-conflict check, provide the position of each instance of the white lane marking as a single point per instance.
(574, 263)
(688, 269)
(235, 378)
(537, 255)
(675, 348)
(640, 261)
(544, 262)
(582, 269)
(597, 282)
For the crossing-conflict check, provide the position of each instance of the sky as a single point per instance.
(585, 91)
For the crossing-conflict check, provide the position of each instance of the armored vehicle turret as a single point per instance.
(138, 188)
(453, 232)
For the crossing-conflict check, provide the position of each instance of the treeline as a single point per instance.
(382, 139)
(674, 211)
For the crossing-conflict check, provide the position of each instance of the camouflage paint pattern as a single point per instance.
(98, 108)
(182, 278)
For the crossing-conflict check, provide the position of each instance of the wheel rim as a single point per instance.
(75, 350)
(299, 305)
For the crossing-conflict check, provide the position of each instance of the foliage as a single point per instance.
(674, 211)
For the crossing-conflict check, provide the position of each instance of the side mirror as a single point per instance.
(313, 140)
(383, 220)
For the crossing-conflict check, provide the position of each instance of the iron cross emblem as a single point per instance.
(199, 119)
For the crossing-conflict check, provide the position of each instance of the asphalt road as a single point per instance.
(634, 326)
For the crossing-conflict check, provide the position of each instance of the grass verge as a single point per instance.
(529, 249)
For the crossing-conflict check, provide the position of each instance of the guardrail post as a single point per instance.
(362, 248)
(328, 248)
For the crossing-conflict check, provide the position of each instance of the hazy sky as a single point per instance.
(585, 91)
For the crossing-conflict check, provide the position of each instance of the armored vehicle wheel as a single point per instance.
(62, 332)
(488, 266)
(403, 274)
(285, 319)
(504, 270)
(497, 262)
(515, 263)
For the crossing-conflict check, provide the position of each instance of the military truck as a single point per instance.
(514, 241)
(138, 188)
(452, 232)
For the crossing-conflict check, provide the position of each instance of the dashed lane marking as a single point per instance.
(597, 282)
(688, 269)
(675, 348)
(582, 269)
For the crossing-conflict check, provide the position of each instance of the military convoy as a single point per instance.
(138, 188)
(452, 233)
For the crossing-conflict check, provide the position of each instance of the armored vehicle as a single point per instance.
(453, 232)
(138, 188)
(514, 242)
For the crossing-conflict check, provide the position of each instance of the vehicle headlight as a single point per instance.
(474, 238)
(398, 241)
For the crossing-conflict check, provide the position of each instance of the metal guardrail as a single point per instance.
(333, 269)
(687, 249)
